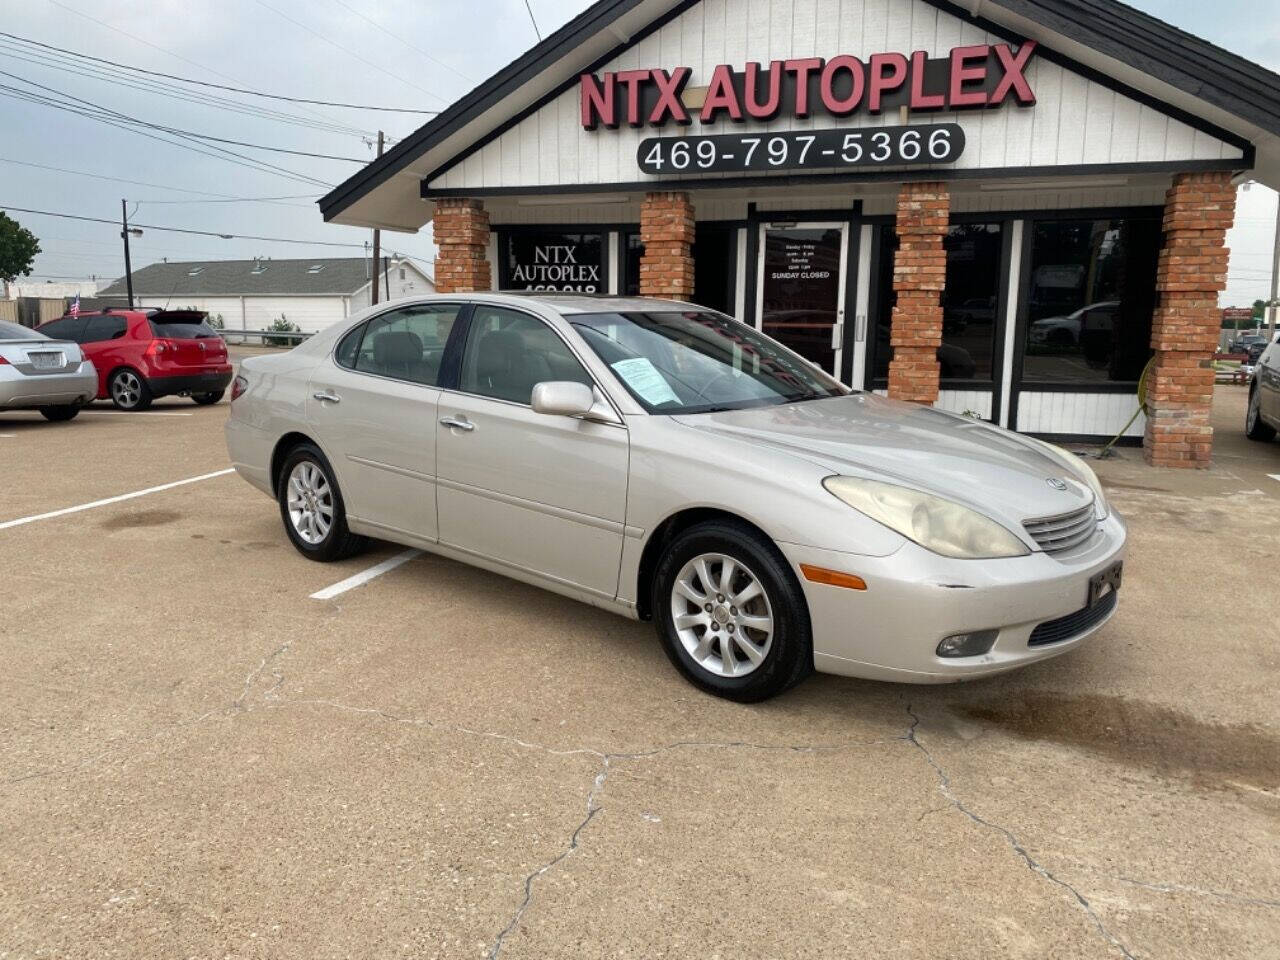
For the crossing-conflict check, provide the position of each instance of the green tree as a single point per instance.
(1259, 309)
(18, 249)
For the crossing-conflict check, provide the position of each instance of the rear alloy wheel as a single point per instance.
(730, 613)
(1254, 427)
(312, 509)
(60, 413)
(129, 391)
(208, 399)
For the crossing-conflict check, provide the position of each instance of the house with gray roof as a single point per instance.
(252, 294)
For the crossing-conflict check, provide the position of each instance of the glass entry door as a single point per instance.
(801, 289)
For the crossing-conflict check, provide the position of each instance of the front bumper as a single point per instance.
(915, 598)
(24, 391)
(206, 381)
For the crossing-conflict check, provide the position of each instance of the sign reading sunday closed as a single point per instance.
(571, 262)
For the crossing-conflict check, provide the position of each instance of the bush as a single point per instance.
(283, 324)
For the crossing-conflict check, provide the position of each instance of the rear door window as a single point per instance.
(405, 344)
(67, 328)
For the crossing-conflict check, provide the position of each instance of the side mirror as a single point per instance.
(563, 398)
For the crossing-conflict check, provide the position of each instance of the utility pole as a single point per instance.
(377, 244)
(125, 233)
(1274, 304)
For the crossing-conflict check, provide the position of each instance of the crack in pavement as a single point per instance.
(944, 787)
(1201, 892)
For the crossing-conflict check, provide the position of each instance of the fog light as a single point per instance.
(968, 644)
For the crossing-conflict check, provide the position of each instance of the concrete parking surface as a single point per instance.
(200, 760)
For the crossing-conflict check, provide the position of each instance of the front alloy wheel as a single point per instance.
(730, 612)
(722, 615)
(129, 391)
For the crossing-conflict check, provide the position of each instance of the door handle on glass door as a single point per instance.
(327, 396)
(462, 424)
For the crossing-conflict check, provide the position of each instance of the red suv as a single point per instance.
(144, 354)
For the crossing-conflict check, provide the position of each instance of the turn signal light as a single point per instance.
(833, 578)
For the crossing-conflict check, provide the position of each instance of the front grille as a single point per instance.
(1073, 624)
(1066, 530)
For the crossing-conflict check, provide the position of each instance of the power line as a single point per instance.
(218, 197)
(533, 20)
(201, 233)
(367, 19)
(218, 86)
(104, 115)
(177, 131)
(54, 62)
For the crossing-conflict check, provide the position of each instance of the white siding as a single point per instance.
(966, 401)
(1097, 414)
(1075, 120)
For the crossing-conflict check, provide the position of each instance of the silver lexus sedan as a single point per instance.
(665, 462)
(38, 373)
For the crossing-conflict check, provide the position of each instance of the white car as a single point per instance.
(665, 462)
(39, 373)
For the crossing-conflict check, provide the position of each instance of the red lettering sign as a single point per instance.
(969, 77)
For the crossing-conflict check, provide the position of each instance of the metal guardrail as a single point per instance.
(267, 337)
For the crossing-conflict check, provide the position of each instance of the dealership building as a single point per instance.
(1006, 208)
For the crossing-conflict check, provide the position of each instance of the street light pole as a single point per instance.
(124, 233)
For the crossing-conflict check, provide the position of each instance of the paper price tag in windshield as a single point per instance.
(643, 377)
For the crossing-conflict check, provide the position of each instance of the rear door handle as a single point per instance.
(328, 396)
(461, 424)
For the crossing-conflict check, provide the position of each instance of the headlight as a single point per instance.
(934, 523)
(1084, 472)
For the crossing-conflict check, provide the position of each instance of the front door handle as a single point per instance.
(328, 396)
(461, 424)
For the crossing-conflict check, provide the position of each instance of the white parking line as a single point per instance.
(7, 436)
(364, 576)
(109, 500)
(132, 413)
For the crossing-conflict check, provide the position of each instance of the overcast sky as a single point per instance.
(418, 54)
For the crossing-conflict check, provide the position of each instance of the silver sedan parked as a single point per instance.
(37, 373)
(665, 462)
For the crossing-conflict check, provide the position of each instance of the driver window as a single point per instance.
(508, 352)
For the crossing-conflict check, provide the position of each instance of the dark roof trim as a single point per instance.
(1166, 53)
(510, 78)
(914, 174)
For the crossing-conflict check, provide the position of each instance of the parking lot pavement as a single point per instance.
(201, 760)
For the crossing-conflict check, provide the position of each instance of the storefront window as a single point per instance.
(1092, 293)
(714, 260)
(632, 251)
(970, 302)
(883, 300)
(554, 261)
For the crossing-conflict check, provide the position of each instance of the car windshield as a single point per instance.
(12, 331)
(698, 361)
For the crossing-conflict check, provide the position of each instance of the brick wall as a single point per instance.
(919, 276)
(666, 230)
(1199, 209)
(461, 229)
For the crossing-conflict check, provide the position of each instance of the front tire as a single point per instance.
(312, 509)
(1254, 426)
(730, 613)
(208, 399)
(129, 390)
(60, 413)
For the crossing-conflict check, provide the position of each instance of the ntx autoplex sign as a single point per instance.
(970, 77)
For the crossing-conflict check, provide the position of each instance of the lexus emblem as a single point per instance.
(1056, 483)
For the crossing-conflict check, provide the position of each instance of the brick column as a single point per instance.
(666, 230)
(461, 230)
(1198, 210)
(919, 275)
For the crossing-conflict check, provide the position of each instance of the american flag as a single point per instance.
(75, 306)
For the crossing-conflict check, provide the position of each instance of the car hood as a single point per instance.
(995, 471)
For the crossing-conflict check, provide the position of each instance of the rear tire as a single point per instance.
(61, 413)
(765, 635)
(129, 390)
(311, 507)
(1254, 427)
(208, 399)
